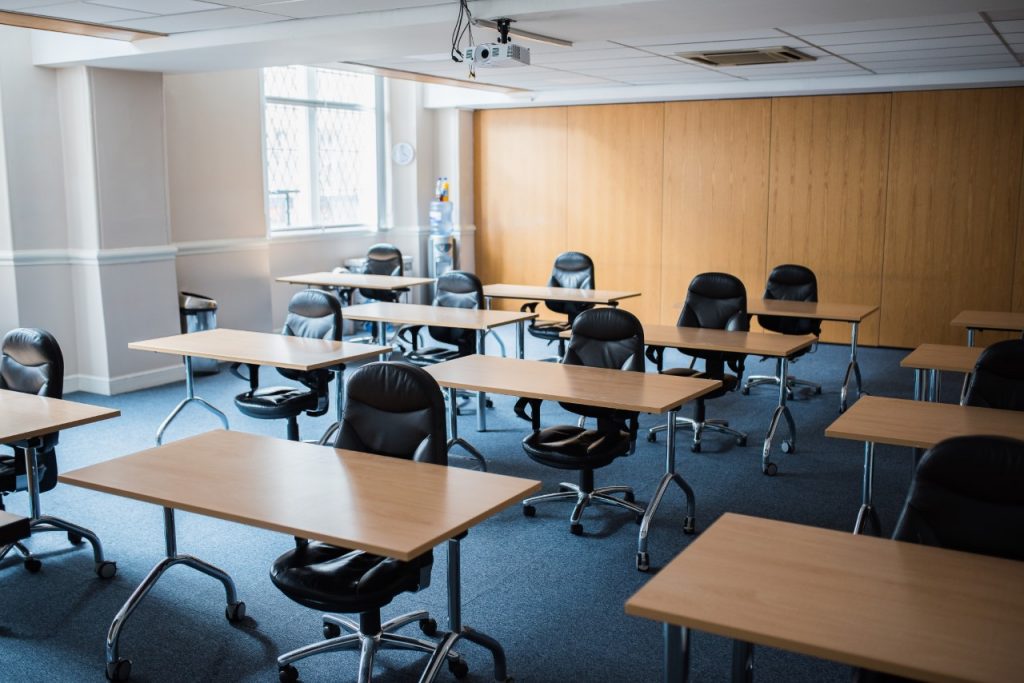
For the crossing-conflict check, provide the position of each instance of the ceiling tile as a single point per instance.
(80, 11)
(892, 35)
(574, 55)
(202, 21)
(1006, 59)
(1010, 26)
(726, 45)
(923, 44)
(671, 38)
(639, 61)
(307, 9)
(880, 24)
(1010, 63)
(975, 51)
(159, 6)
(24, 5)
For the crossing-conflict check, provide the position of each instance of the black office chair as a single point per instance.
(968, 495)
(31, 362)
(789, 282)
(715, 301)
(383, 259)
(396, 410)
(572, 270)
(454, 289)
(315, 314)
(998, 377)
(602, 338)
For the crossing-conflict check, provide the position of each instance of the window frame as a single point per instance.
(311, 105)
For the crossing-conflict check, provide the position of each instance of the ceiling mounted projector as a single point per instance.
(498, 54)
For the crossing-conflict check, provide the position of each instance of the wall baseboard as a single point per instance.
(110, 386)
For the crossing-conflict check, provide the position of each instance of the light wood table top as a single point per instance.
(1007, 321)
(919, 424)
(262, 348)
(356, 280)
(946, 357)
(439, 316)
(25, 416)
(601, 387)
(382, 505)
(753, 343)
(910, 610)
(535, 293)
(849, 313)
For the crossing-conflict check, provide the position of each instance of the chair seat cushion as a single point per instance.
(332, 579)
(569, 447)
(273, 403)
(12, 467)
(729, 382)
(548, 329)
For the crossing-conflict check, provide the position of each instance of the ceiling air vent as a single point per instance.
(761, 55)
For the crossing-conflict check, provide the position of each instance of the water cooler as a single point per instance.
(442, 250)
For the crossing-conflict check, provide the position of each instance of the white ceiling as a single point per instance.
(617, 44)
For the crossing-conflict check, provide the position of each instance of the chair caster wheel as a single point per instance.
(787, 447)
(741, 441)
(629, 497)
(106, 570)
(745, 391)
(576, 529)
(459, 668)
(74, 539)
(529, 511)
(695, 447)
(288, 674)
(652, 437)
(643, 562)
(770, 469)
(689, 526)
(331, 630)
(121, 670)
(33, 565)
(235, 612)
(428, 626)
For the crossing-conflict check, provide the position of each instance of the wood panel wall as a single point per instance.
(614, 200)
(911, 200)
(953, 208)
(827, 200)
(715, 195)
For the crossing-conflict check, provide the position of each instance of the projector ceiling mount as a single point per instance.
(504, 29)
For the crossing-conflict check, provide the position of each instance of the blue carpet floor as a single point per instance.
(554, 600)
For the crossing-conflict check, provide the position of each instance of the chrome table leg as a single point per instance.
(190, 397)
(742, 662)
(643, 561)
(453, 431)
(456, 628)
(781, 411)
(119, 669)
(521, 339)
(852, 370)
(867, 509)
(677, 654)
(481, 397)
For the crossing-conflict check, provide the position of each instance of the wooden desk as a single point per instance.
(615, 389)
(781, 346)
(444, 316)
(925, 613)
(23, 419)
(928, 360)
(255, 348)
(386, 506)
(1004, 321)
(918, 424)
(13, 528)
(357, 281)
(853, 314)
(534, 293)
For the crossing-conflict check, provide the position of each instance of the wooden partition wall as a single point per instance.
(913, 201)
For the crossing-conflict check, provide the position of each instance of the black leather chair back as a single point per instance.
(998, 378)
(314, 314)
(605, 338)
(968, 494)
(458, 289)
(572, 270)
(394, 409)
(791, 282)
(31, 362)
(716, 301)
(383, 259)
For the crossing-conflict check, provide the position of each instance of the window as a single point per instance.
(321, 148)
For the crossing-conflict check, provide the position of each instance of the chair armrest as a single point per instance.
(529, 307)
